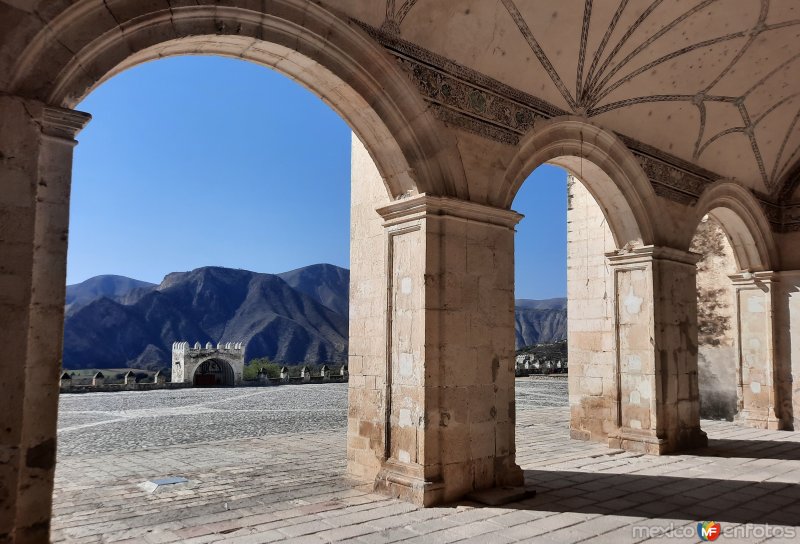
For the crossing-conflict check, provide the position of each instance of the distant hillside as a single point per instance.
(272, 318)
(539, 321)
(300, 316)
(327, 284)
(80, 294)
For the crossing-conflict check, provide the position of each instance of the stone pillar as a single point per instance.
(36, 144)
(786, 325)
(590, 317)
(658, 407)
(449, 389)
(367, 330)
(757, 396)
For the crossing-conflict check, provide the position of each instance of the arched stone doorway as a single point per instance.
(213, 373)
(741, 377)
(629, 324)
(330, 55)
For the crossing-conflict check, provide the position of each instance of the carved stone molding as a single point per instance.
(468, 100)
(425, 206)
(791, 217)
(63, 123)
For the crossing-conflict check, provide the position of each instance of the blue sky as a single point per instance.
(196, 161)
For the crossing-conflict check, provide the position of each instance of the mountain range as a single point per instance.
(300, 316)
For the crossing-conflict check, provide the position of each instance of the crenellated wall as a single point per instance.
(187, 359)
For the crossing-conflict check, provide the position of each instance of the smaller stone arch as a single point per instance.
(601, 161)
(218, 366)
(744, 221)
(736, 313)
(213, 373)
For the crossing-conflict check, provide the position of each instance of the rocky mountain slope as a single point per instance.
(300, 316)
(263, 311)
(111, 286)
(538, 321)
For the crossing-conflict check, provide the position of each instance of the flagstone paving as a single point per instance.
(268, 465)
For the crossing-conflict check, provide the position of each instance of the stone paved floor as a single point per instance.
(278, 475)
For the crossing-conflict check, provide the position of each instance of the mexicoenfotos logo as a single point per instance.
(709, 530)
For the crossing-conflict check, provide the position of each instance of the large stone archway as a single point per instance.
(90, 42)
(626, 347)
(737, 297)
(448, 122)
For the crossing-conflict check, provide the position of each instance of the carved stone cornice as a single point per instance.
(63, 123)
(645, 254)
(468, 100)
(671, 177)
(791, 217)
(746, 279)
(426, 206)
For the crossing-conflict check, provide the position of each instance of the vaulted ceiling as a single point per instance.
(713, 82)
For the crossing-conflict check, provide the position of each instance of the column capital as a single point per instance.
(426, 206)
(63, 123)
(746, 278)
(645, 254)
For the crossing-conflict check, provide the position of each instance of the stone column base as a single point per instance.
(690, 439)
(646, 442)
(760, 420)
(639, 441)
(407, 483)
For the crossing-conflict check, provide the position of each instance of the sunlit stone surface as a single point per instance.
(268, 465)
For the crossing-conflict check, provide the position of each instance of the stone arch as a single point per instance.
(214, 371)
(604, 165)
(761, 380)
(91, 41)
(743, 220)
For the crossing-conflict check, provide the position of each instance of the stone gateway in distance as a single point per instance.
(208, 366)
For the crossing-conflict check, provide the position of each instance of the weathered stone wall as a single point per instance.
(115, 387)
(717, 326)
(367, 347)
(590, 317)
(787, 316)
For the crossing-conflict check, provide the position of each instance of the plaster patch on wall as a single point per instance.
(406, 286)
(754, 343)
(644, 388)
(755, 305)
(755, 387)
(405, 418)
(634, 362)
(406, 364)
(403, 456)
(636, 424)
(635, 397)
(633, 304)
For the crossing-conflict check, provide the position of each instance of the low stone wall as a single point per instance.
(114, 387)
(261, 382)
(295, 380)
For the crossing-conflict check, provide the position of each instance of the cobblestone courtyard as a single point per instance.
(267, 464)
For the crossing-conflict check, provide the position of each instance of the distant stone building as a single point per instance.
(208, 366)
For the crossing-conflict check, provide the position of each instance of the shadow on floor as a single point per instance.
(755, 449)
(663, 497)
